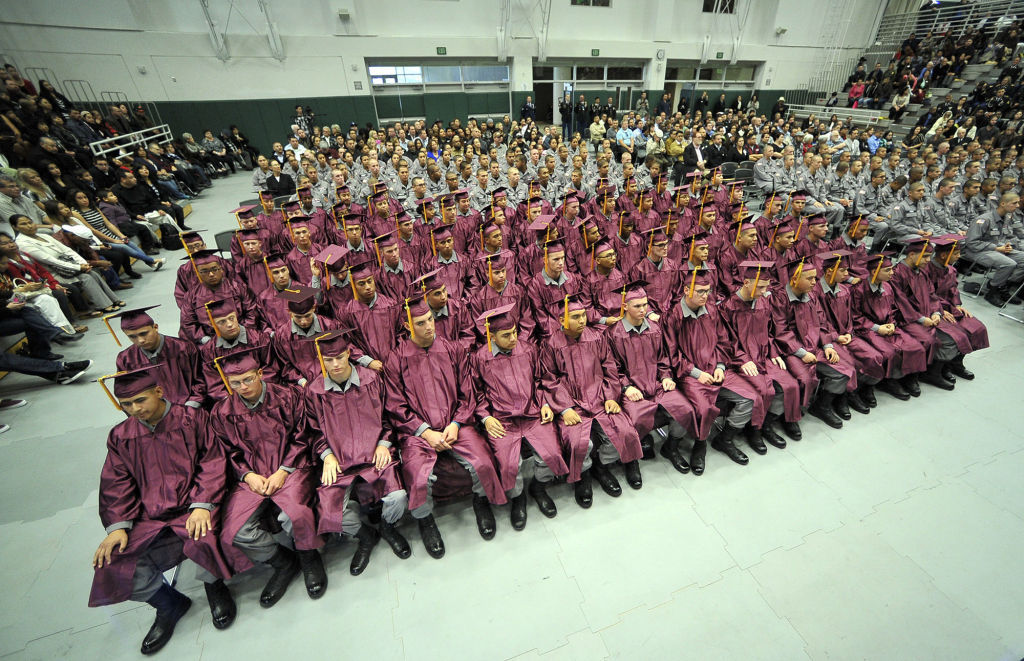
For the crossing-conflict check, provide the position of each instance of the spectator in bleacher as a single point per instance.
(855, 93)
(116, 123)
(279, 183)
(217, 152)
(109, 233)
(47, 149)
(140, 200)
(899, 105)
(182, 165)
(60, 102)
(55, 179)
(144, 232)
(13, 201)
(33, 187)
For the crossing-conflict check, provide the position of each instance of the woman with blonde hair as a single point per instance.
(34, 187)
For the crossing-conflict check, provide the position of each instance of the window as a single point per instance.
(590, 3)
(719, 7)
(393, 75)
(589, 73)
(625, 73)
(445, 75)
(544, 73)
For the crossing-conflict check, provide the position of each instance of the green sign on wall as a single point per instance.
(441, 50)
(719, 55)
(594, 52)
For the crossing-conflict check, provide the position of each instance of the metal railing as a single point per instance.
(857, 115)
(131, 141)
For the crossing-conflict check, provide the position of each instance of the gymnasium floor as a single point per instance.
(898, 537)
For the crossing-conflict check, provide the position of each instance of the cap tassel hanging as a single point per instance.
(952, 249)
(320, 355)
(878, 268)
(487, 331)
(924, 247)
(833, 272)
(693, 283)
(565, 314)
(106, 320)
(796, 274)
(110, 395)
(408, 316)
(223, 377)
(210, 317)
(855, 227)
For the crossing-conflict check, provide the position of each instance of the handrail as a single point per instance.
(857, 114)
(161, 134)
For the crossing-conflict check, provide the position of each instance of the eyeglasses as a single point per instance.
(246, 382)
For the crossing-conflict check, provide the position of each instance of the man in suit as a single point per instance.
(693, 155)
(714, 154)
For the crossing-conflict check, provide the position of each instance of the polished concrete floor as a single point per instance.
(898, 537)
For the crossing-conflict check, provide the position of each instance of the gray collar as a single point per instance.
(241, 339)
(353, 380)
(155, 354)
(167, 409)
(630, 328)
(443, 312)
(398, 269)
(454, 259)
(548, 281)
(314, 329)
(794, 298)
(692, 314)
(259, 400)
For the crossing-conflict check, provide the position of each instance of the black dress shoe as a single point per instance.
(727, 447)
(826, 415)
(396, 540)
(170, 606)
(670, 450)
(517, 513)
(947, 373)
(606, 480)
(911, 385)
(431, 536)
(933, 377)
(222, 604)
(286, 568)
(792, 429)
(484, 517)
(697, 456)
(367, 538)
(841, 406)
(647, 445)
(755, 439)
(867, 395)
(958, 369)
(545, 504)
(855, 402)
(773, 437)
(996, 297)
(894, 388)
(313, 573)
(633, 477)
(583, 491)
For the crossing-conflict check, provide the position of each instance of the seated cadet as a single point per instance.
(824, 370)
(496, 291)
(650, 398)
(431, 402)
(659, 271)
(813, 240)
(249, 266)
(874, 308)
(267, 443)
(530, 256)
(292, 343)
(754, 355)
(304, 248)
(175, 361)
(778, 249)
(272, 305)
(852, 241)
(156, 519)
(587, 399)
(359, 249)
(549, 287)
(921, 313)
(336, 288)
(698, 345)
(602, 286)
(231, 336)
(187, 278)
(513, 404)
(453, 268)
(943, 278)
(214, 285)
(397, 265)
(994, 241)
(744, 241)
(353, 439)
(373, 315)
(836, 303)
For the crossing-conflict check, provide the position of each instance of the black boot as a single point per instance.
(647, 445)
(606, 480)
(822, 410)
(754, 438)
(484, 517)
(723, 443)
(633, 477)
(997, 296)
(911, 384)
(222, 605)
(431, 536)
(933, 377)
(791, 429)
(517, 513)
(895, 388)
(367, 538)
(396, 540)
(855, 402)
(545, 504)
(958, 369)
(697, 455)
(841, 405)
(670, 450)
(313, 573)
(286, 568)
(583, 490)
(947, 373)
(867, 395)
(170, 606)
(768, 432)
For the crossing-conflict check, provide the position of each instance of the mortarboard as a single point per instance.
(878, 261)
(497, 319)
(301, 299)
(130, 382)
(133, 319)
(241, 361)
(702, 275)
(333, 343)
(428, 282)
(755, 270)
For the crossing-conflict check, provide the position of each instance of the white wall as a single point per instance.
(109, 42)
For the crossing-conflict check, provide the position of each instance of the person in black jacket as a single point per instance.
(279, 183)
(529, 110)
(140, 200)
(565, 110)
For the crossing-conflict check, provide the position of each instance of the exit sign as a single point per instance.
(441, 50)
(719, 55)
(594, 52)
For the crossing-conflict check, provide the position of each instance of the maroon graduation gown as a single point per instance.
(457, 326)
(586, 378)
(604, 294)
(546, 301)
(900, 351)
(750, 334)
(350, 424)
(915, 298)
(262, 440)
(179, 372)
(298, 262)
(150, 478)
(215, 389)
(195, 323)
(837, 307)
(376, 327)
(396, 285)
(434, 386)
(944, 282)
(642, 359)
(513, 387)
(485, 298)
(662, 283)
(296, 355)
(273, 307)
(252, 272)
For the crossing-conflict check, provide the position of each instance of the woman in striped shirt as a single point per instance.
(84, 208)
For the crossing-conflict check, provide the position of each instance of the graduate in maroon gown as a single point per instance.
(603, 286)
(267, 443)
(292, 342)
(304, 248)
(249, 266)
(432, 404)
(549, 287)
(921, 311)
(187, 279)
(823, 367)
(650, 397)
(453, 267)
(397, 267)
(587, 396)
(743, 241)
(272, 305)
(230, 336)
(162, 481)
(374, 316)
(353, 437)
(496, 291)
(874, 308)
(943, 277)
(852, 241)
(836, 303)
(452, 320)
(755, 356)
(176, 362)
(214, 285)
(332, 279)
(514, 398)
(293, 214)
(659, 271)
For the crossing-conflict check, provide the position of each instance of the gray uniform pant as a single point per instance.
(743, 408)
(427, 508)
(531, 466)
(148, 577)
(607, 453)
(947, 349)
(830, 380)
(1007, 267)
(393, 507)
